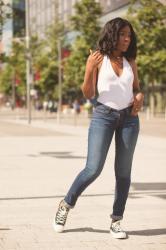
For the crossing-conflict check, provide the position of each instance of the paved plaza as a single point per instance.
(38, 163)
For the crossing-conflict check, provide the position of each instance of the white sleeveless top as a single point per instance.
(115, 91)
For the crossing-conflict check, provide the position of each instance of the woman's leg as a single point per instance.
(101, 131)
(99, 139)
(125, 141)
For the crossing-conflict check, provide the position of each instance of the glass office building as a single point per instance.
(14, 26)
(18, 18)
(43, 12)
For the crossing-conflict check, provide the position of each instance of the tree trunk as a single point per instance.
(152, 100)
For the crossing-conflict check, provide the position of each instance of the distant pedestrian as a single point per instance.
(45, 105)
(76, 106)
(114, 68)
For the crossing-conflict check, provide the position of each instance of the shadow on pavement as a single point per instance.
(64, 155)
(152, 188)
(149, 185)
(149, 232)
(86, 229)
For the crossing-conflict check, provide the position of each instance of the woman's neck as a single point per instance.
(117, 53)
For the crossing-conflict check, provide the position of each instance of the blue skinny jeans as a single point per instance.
(104, 123)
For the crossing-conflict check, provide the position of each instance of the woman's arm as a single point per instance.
(89, 85)
(138, 95)
(136, 85)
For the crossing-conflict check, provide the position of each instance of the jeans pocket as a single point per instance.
(133, 121)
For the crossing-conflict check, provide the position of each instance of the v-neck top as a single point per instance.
(115, 91)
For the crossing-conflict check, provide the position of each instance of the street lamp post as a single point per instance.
(59, 81)
(13, 91)
(28, 61)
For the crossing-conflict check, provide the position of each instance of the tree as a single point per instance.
(13, 72)
(86, 23)
(148, 20)
(47, 61)
(87, 13)
(38, 61)
(44, 62)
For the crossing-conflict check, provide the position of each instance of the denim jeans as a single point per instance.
(104, 123)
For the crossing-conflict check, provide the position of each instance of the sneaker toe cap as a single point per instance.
(58, 228)
(118, 235)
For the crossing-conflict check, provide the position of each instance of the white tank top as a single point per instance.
(115, 91)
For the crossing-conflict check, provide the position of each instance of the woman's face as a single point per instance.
(124, 39)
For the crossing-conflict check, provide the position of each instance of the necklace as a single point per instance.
(117, 60)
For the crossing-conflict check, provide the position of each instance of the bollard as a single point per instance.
(147, 114)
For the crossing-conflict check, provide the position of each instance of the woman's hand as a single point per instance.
(137, 104)
(89, 85)
(94, 59)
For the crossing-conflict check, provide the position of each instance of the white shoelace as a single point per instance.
(116, 226)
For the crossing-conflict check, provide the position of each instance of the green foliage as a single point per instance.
(148, 20)
(85, 21)
(74, 69)
(14, 70)
(6, 80)
(45, 59)
(40, 64)
(44, 55)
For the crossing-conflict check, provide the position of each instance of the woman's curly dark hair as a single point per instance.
(109, 36)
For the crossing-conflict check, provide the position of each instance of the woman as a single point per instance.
(114, 69)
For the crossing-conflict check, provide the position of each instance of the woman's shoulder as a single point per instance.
(131, 60)
(132, 63)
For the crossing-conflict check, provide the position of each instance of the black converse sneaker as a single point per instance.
(61, 216)
(116, 230)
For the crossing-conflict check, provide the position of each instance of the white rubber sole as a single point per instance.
(58, 228)
(121, 235)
